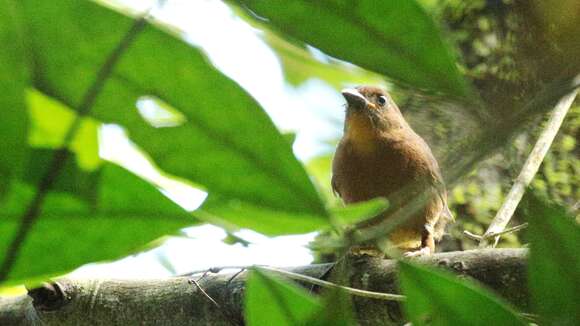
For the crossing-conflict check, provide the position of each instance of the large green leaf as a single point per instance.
(554, 271)
(395, 38)
(126, 214)
(13, 81)
(228, 144)
(438, 298)
(270, 301)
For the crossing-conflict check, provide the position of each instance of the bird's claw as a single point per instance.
(425, 251)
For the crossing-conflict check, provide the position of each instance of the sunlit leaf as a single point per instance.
(227, 143)
(50, 122)
(126, 214)
(438, 298)
(395, 38)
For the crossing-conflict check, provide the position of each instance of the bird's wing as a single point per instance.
(334, 185)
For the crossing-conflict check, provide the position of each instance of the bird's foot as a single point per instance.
(424, 251)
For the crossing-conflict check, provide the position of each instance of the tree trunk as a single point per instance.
(177, 301)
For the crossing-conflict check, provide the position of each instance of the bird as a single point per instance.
(380, 155)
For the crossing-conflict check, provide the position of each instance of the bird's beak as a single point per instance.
(354, 98)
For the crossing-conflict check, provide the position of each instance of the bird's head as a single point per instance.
(372, 104)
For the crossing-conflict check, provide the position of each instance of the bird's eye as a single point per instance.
(382, 100)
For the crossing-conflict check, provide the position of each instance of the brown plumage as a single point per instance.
(381, 156)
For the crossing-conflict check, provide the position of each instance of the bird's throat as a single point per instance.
(361, 133)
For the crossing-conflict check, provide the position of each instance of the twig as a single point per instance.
(217, 305)
(477, 237)
(192, 281)
(353, 291)
(57, 164)
(529, 169)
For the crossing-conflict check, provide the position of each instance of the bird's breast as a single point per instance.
(363, 175)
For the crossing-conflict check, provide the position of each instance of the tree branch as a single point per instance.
(176, 301)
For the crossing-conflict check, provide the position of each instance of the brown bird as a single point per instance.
(381, 156)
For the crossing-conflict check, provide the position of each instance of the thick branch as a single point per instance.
(176, 301)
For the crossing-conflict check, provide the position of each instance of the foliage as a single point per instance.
(64, 75)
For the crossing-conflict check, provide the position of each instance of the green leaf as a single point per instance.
(554, 270)
(234, 214)
(50, 121)
(226, 144)
(395, 38)
(300, 65)
(438, 298)
(13, 81)
(126, 214)
(354, 213)
(336, 310)
(76, 181)
(270, 301)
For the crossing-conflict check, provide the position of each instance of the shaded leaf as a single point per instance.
(75, 181)
(13, 80)
(395, 38)
(554, 268)
(270, 301)
(438, 298)
(127, 213)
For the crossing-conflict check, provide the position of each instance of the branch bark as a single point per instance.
(177, 301)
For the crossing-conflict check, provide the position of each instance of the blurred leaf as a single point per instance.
(232, 215)
(75, 181)
(395, 38)
(300, 66)
(227, 144)
(438, 298)
(336, 310)
(13, 80)
(359, 212)
(49, 123)
(270, 301)
(233, 239)
(554, 263)
(290, 137)
(319, 168)
(126, 214)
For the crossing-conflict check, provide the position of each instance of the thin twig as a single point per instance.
(192, 281)
(529, 169)
(353, 291)
(217, 305)
(478, 238)
(58, 161)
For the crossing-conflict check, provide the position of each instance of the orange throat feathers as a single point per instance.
(361, 133)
